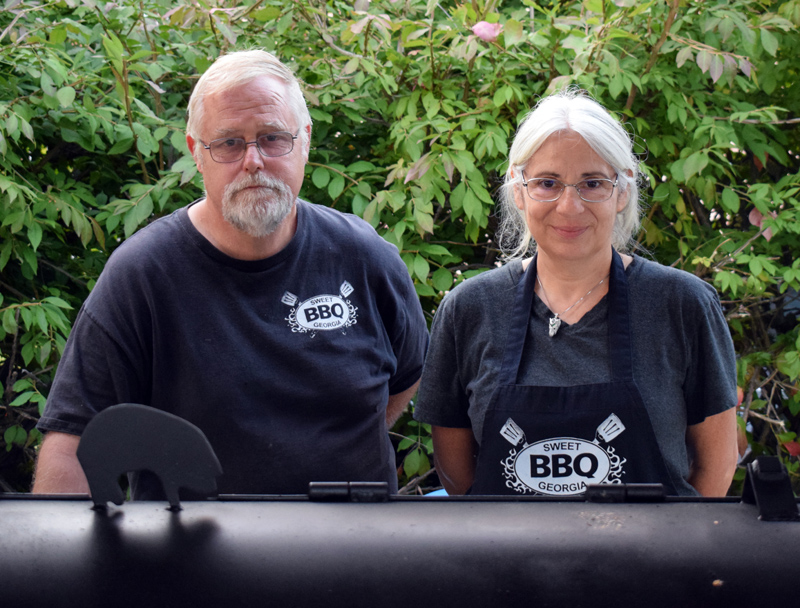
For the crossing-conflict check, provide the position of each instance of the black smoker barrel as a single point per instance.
(352, 545)
(405, 552)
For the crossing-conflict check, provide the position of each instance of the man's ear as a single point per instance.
(198, 158)
(307, 142)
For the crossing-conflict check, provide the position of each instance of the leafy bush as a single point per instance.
(413, 117)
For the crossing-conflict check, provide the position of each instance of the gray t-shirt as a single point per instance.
(684, 362)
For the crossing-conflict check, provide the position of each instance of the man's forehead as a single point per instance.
(261, 103)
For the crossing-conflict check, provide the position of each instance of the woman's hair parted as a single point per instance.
(569, 110)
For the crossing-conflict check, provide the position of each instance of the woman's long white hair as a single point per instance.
(569, 110)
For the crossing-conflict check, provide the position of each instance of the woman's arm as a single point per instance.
(712, 444)
(454, 453)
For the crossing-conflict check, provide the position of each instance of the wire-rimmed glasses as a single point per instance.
(549, 189)
(232, 149)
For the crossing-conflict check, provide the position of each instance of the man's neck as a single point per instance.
(236, 243)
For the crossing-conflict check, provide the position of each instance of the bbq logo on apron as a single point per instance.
(562, 466)
(321, 313)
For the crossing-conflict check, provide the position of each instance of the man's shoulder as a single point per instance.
(345, 232)
(153, 242)
(323, 217)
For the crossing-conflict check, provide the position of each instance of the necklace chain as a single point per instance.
(555, 320)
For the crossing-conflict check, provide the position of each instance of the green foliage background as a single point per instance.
(413, 118)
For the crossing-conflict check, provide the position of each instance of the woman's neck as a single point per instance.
(573, 288)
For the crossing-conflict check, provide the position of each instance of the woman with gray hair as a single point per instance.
(583, 364)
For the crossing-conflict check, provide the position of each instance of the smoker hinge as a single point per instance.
(625, 492)
(348, 491)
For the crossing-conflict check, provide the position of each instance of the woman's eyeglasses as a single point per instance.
(549, 189)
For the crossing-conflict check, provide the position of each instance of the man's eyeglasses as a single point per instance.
(548, 189)
(232, 149)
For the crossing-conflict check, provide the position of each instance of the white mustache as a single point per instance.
(257, 180)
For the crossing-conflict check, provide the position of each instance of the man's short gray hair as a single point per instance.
(570, 110)
(239, 68)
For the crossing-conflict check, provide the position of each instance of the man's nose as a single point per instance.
(253, 159)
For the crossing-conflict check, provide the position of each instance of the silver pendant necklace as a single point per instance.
(555, 320)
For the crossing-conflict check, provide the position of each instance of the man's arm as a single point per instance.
(455, 454)
(57, 468)
(398, 403)
(713, 447)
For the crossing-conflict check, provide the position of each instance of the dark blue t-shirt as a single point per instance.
(286, 363)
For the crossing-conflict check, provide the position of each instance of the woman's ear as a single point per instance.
(624, 197)
(518, 198)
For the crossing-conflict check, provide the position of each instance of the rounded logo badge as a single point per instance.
(323, 313)
(562, 466)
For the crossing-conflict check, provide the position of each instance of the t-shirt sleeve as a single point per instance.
(95, 372)
(441, 400)
(711, 378)
(408, 333)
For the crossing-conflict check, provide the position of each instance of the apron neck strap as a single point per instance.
(619, 332)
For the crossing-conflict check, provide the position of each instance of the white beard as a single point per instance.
(257, 212)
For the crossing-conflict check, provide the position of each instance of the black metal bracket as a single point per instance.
(348, 491)
(767, 485)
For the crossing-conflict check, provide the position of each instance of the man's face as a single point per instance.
(257, 192)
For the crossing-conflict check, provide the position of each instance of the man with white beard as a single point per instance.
(289, 333)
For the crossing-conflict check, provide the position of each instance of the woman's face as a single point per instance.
(569, 228)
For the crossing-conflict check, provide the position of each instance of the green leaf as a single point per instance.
(35, 234)
(730, 200)
(336, 186)
(66, 96)
(424, 290)
(9, 321)
(269, 13)
(684, 55)
(789, 363)
(434, 249)
(412, 462)
(513, 32)
(472, 205)
(15, 435)
(320, 177)
(695, 164)
(421, 268)
(121, 146)
(361, 166)
(769, 41)
(442, 279)
(424, 220)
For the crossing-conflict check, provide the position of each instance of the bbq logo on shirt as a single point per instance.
(324, 312)
(562, 466)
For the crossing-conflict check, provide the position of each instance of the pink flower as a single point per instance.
(757, 218)
(487, 31)
(792, 447)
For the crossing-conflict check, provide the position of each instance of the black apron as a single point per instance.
(554, 440)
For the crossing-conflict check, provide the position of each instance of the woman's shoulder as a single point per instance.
(667, 284)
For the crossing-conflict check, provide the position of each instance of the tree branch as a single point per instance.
(673, 11)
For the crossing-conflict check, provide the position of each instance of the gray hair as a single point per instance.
(569, 110)
(239, 68)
